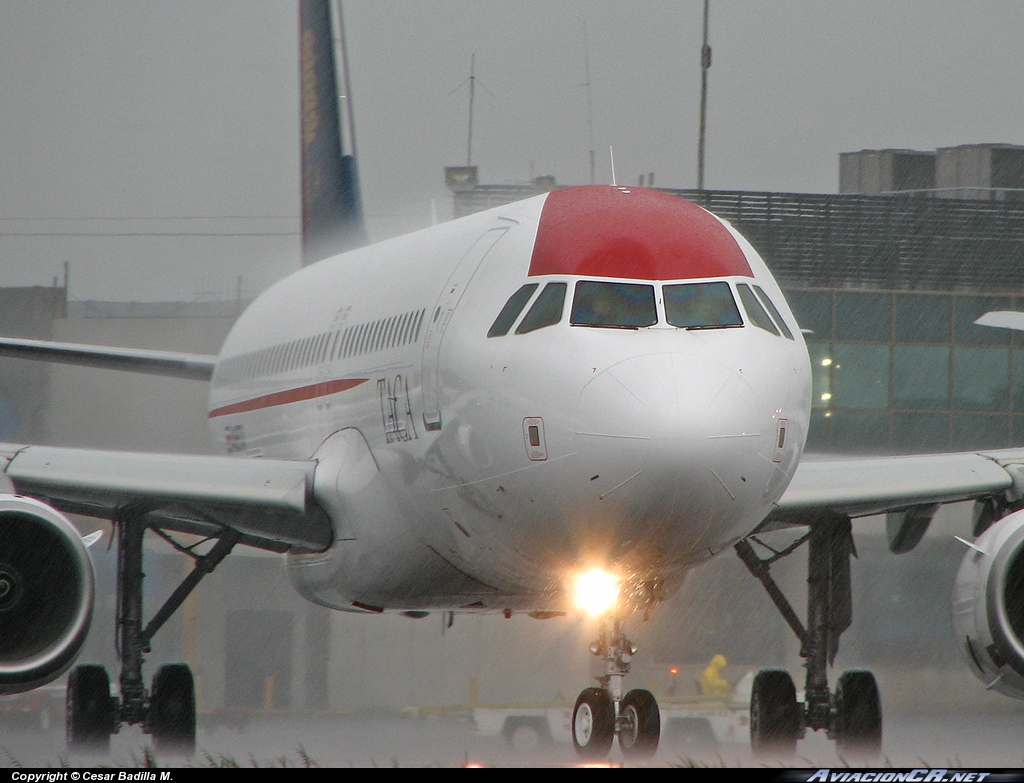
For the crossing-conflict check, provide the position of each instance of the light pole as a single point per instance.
(705, 64)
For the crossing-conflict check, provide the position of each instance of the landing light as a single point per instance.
(826, 362)
(595, 592)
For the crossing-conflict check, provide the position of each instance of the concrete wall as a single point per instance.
(873, 172)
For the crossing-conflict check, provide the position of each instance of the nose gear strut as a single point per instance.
(603, 713)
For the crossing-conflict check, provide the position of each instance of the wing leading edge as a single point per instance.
(268, 502)
(191, 366)
(874, 485)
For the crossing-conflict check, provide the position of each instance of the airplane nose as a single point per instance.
(666, 397)
(668, 444)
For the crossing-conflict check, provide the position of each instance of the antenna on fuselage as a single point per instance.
(611, 154)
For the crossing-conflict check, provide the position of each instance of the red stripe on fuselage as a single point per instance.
(290, 395)
(632, 233)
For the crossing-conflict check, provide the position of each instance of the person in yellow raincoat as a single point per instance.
(711, 681)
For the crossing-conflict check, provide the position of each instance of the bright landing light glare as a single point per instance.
(595, 592)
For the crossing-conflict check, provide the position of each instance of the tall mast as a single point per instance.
(705, 64)
(590, 102)
(472, 90)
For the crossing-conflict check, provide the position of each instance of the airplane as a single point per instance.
(563, 404)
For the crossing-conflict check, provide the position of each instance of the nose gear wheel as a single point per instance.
(593, 724)
(639, 724)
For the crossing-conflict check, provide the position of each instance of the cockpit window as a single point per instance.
(755, 311)
(510, 312)
(616, 305)
(774, 311)
(701, 306)
(546, 311)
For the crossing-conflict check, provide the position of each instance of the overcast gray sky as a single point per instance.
(172, 119)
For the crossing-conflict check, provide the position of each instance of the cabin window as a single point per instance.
(613, 305)
(546, 311)
(410, 320)
(392, 322)
(701, 306)
(757, 314)
(774, 311)
(510, 312)
(419, 323)
(375, 337)
(396, 332)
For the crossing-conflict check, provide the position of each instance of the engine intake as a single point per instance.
(988, 607)
(46, 594)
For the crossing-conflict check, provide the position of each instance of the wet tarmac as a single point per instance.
(988, 740)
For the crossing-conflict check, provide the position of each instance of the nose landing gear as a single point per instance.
(602, 713)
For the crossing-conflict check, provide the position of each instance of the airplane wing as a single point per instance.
(191, 366)
(268, 502)
(856, 487)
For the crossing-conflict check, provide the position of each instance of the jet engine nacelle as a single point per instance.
(988, 606)
(46, 593)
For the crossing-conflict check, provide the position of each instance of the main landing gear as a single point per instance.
(852, 715)
(602, 713)
(167, 711)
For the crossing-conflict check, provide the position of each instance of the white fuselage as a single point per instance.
(504, 463)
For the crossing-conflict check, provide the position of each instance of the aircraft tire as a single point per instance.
(593, 724)
(172, 709)
(858, 723)
(774, 714)
(90, 714)
(639, 738)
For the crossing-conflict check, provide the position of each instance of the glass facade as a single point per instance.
(899, 372)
